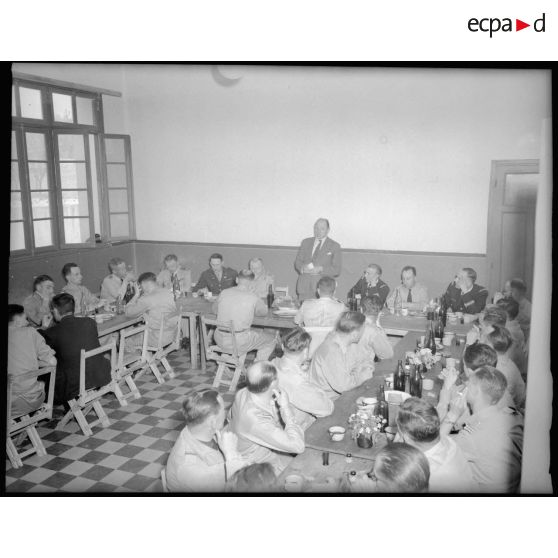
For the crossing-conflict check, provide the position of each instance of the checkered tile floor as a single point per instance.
(127, 456)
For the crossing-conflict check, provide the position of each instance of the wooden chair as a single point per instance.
(318, 333)
(226, 360)
(158, 354)
(164, 480)
(90, 399)
(130, 363)
(23, 425)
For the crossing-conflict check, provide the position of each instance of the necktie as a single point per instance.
(409, 297)
(317, 248)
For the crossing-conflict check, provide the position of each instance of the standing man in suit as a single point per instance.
(317, 256)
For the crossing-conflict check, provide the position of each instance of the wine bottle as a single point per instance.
(397, 303)
(431, 339)
(416, 383)
(399, 377)
(130, 292)
(357, 302)
(175, 286)
(350, 299)
(382, 408)
(270, 296)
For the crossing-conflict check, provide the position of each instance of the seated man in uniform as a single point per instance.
(333, 366)
(262, 279)
(239, 305)
(413, 295)
(204, 457)
(83, 298)
(171, 270)
(464, 295)
(322, 311)
(115, 284)
(215, 279)
(371, 284)
(37, 305)
(264, 420)
(308, 399)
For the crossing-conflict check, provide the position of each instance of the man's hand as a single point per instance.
(202, 292)
(498, 296)
(473, 335)
(318, 269)
(282, 398)
(457, 405)
(46, 321)
(451, 378)
(227, 443)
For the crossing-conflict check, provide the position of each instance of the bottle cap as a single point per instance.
(353, 473)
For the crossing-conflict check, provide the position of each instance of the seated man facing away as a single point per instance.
(322, 311)
(263, 419)
(418, 425)
(37, 305)
(333, 367)
(258, 477)
(308, 399)
(204, 456)
(156, 303)
(464, 295)
(83, 298)
(68, 337)
(371, 284)
(215, 279)
(413, 295)
(239, 305)
(492, 439)
(172, 270)
(516, 289)
(500, 340)
(114, 285)
(262, 279)
(27, 351)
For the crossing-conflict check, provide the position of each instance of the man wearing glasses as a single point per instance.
(371, 284)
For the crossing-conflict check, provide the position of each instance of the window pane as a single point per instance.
(75, 203)
(42, 233)
(38, 176)
(15, 176)
(31, 103)
(62, 106)
(17, 236)
(84, 110)
(119, 225)
(116, 175)
(118, 201)
(14, 108)
(14, 146)
(76, 231)
(36, 147)
(41, 205)
(72, 175)
(70, 147)
(16, 213)
(115, 150)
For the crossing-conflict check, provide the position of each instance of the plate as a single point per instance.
(285, 312)
(103, 317)
(394, 393)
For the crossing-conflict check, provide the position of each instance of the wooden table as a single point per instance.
(117, 323)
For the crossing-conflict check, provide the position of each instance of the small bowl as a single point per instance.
(337, 433)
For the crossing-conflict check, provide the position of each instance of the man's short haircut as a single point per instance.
(495, 315)
(409, 268)
(114, 263)
(403, 468)
(199, 405)
(327, 285)
(491, 382)
(14, 310)
(478, 355)
(510, 305)
(326, 221)
(371, 304)
(419, 420)
(258, 477)
(67, 269)
(260, 376)
(170, 258)
(349, 322)
(500, 338)
(471, 273)
(246, 274)
(519, 285)
(216, 256)
(255, 260)
(147, 276)
(376, 267)
(296, 340)
(40, 279)
(64, 303)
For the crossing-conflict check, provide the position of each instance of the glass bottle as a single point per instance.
(82, 307)
(382, 408)
(357, 302)
(270, 296)
(175, 286)
(416, 383)
(431, 339)
(397, 303)
(399, 377)
(350, 299)
(119, 306)
(130, 292)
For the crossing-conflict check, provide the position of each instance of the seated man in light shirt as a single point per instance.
(308, 399)
(262, 279)
(334, 367)
(204, 457)
(492, 439)
(37, 305)
(418, 425)
(374, 341)
(239, 305)
(322, 311)
(464, 295)
(156, 303)
(83, 298)
(172, 269)
(413, 295)
(511, 307)
(516, 289)
(264, 420)
(115, 284)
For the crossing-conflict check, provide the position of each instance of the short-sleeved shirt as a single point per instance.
(82, 295)
(260, 285)
(208, 280)
(164, 279)
(364, 289)
(110, 287)
(36, 308)
(319, 312)
(240, 307)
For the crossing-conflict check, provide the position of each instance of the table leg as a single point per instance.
(192, 319)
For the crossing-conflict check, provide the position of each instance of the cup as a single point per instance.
(459, 315)
(390, 431)
(294, 483)
(337, 433)
(438, 340)
(427, 384)
(194, 294)
(404, 311)
(208, 295)
(99, 319)
(450, 363)
(389, 381)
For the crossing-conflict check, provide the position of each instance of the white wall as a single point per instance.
(375, 150)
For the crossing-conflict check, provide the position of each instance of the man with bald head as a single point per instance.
(317, 256)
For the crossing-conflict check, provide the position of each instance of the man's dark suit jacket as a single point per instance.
(209, 280)
(67, 338)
